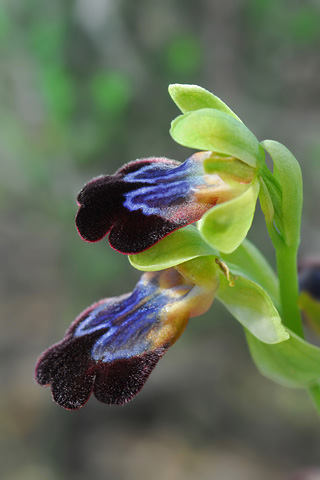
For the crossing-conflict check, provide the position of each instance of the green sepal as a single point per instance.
(210, 129)
(294, 363)
(287, 174)
(252, 307)
(178, 247)
(192, 97)
(226, 225)
(247, 260)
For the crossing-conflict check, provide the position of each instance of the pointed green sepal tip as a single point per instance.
(192, 97)
(178, 247)
(226, 225)
(217, 131)
(250, 304)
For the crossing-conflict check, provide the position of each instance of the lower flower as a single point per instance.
(113, 346)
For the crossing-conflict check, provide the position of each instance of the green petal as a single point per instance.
(253, 308)
(226, 225)
(209, 129)
(191, 97)
(294, 363)
(178, 247)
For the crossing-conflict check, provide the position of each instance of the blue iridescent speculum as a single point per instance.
(133, 322)
(167, 187)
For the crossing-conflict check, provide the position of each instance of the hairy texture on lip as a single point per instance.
(113, 346)
(146, 200)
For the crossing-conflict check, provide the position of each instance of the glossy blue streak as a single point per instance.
(128, 320)
(166, 186)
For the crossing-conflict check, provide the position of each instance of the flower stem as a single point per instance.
(288, 283)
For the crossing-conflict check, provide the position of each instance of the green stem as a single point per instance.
(288, 283)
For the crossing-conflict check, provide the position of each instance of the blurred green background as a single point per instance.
(83, 89)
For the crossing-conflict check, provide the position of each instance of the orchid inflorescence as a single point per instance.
(148, 209)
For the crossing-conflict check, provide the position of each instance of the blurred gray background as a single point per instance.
(83, 89)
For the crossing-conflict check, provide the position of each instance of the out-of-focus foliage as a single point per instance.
(83, 89)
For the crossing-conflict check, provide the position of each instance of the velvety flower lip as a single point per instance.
(146, 200)
(113, 346)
